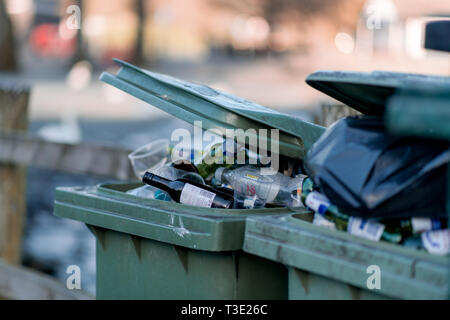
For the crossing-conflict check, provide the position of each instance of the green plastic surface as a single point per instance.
(327, 264)
(216, 110)
(109, 207)
(424, 113)
(368, 92)
(130, 267)
(153, 249)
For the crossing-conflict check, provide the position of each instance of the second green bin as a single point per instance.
(328, 264)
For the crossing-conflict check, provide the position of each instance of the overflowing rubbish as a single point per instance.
(358, 176)
(431, 234)
(355, 176)
(370, 174)
(379, 187)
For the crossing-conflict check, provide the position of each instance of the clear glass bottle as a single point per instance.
(278, 190)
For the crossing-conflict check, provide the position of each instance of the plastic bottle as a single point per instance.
(250, 180)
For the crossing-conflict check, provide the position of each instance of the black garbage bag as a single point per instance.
(368, 173)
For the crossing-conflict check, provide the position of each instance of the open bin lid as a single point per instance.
(368, 92)
(217, 110)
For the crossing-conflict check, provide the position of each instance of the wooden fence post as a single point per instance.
(13, 116)
(330, 113)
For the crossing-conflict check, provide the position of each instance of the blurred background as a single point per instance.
(261, 50)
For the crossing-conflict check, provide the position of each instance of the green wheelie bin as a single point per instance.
(153, 249)
(330, 264)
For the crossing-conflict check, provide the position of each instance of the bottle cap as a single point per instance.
(218, 173)
(147, 176)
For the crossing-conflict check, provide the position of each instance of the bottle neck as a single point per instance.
(156, 181)
(220, 173)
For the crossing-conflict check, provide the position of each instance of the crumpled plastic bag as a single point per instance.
(367, 172)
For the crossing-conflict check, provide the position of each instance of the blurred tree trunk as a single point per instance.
(79, 54)
(14, 100)
(138, 50)
(7, 50)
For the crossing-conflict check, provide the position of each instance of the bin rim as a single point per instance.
(108, 207)
(369, 92)
(112, 190)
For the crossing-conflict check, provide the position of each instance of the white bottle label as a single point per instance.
(317, 202)
(196, 196)
(365, 228)
(437, 242)
(320, 220)
(249, 203)
(420, 225)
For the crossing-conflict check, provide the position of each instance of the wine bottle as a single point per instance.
(189, 192)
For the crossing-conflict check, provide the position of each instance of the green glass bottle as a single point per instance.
(227, 154)
(371, 230)
(214, 158)
(395, 230)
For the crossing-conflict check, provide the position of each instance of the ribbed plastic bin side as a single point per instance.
(151, 249)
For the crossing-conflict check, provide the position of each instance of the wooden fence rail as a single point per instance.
(83, 158)
(18, 150)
